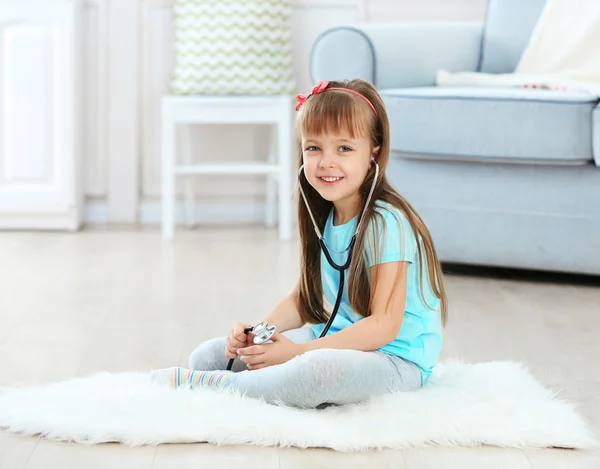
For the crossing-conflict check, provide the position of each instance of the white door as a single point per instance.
(39, 115)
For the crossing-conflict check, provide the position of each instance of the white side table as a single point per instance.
(271, 110)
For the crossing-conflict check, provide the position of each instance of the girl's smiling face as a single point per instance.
(338, 135)
(336, 166)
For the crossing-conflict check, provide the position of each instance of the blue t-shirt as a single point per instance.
(420, 337)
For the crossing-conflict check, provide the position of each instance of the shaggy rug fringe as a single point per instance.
(494, 403)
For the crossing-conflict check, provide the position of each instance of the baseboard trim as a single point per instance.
(66, 221)
(149, 213)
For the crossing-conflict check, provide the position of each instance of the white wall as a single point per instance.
(128, 61)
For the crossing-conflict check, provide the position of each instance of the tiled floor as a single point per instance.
(118, 300)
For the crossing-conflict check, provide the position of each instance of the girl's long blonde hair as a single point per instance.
(341, 112)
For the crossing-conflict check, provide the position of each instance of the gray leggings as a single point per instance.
(315, 378)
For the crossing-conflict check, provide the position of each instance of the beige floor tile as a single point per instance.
(590, 409)
(59, 455)
(460, 458)
(8, 326)
(124, 346)
(15, 450)
(200, 456)
(296, 458)
(563, 459)
(42, 352)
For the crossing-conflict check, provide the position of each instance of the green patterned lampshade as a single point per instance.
(232, 47)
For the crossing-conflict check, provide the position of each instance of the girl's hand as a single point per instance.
(237, 338)
(261, 356)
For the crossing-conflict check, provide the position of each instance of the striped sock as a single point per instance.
(179, 377)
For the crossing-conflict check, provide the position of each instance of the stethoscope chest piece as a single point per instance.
(263, 332)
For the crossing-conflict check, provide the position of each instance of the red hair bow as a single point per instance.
(319, 88)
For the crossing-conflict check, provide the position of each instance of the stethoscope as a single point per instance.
(263, 332)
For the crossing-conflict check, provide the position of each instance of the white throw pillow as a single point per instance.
(232, 47)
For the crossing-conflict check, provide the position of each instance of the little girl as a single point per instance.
(387, 333)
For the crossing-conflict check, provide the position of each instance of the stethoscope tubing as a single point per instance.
(340, 268)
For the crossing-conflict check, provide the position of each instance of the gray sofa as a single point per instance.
(506, 177)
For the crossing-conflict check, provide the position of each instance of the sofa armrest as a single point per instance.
(596, 134)
(396, 55)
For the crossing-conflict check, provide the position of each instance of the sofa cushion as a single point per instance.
(508, 27)
(501, 123)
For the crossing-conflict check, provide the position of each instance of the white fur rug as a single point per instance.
(497, 403)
